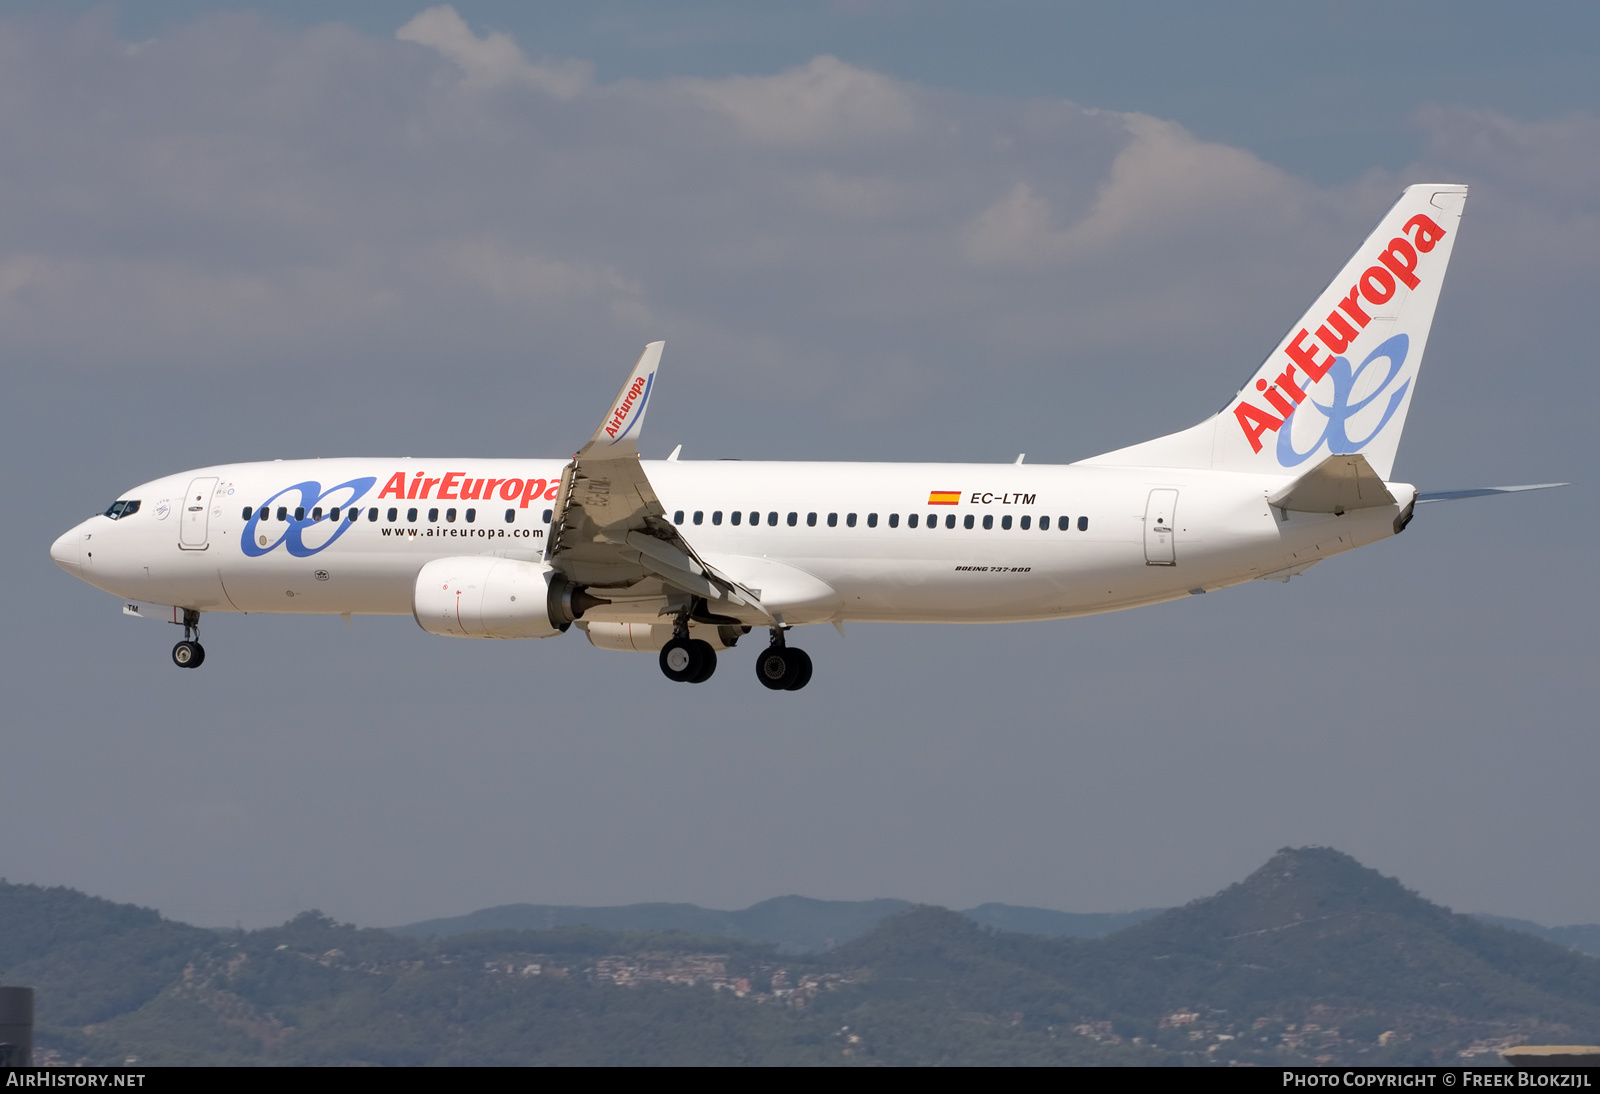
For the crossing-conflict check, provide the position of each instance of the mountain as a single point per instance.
(795, 924)
(1583, 937)
(1312, 958)
(1043, 921)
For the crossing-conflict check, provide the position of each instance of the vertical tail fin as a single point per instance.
(1341, 381)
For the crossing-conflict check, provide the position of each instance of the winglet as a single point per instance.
(618, 434)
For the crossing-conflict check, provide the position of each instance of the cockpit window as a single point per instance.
(120, 509)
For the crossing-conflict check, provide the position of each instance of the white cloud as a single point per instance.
(494, 60)
(233, 194)
(825, 100)
(1163, 180)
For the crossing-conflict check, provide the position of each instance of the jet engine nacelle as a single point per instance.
(482, 596)
(650, 637)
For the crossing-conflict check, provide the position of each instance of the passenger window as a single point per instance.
(950, 521)
(968, 521)
(911, 520)
(352, 514)
(716, 516)
(755, 518)
(247, 511)
(450, 516)
(548, 513)
(472, 516)
(316, 514)
(737, 516)
(333, 514)
(265, 512)
(894, 520)
(511, 516)
(677, 518)
(1083, 524)
(833, 520)
(1026, 521)
(411, 515)
(850, 521)
(872, 520)
(794, 519)
(433, 516)
(1065, 524)
(772, 520)
(988, 522)
(299, 512)
(1005, 522)
(811, 520)
(1044, 524)
(699, 516)
(394, 515)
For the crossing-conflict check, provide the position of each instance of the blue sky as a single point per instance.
(866, 231)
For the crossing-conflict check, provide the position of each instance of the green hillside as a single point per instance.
(1311, 958)
(795, 924)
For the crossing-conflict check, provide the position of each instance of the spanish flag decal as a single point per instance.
(944, 497)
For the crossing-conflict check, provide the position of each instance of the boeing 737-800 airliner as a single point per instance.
(684, 558)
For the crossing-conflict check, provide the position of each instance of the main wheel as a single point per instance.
(708, 660)
(188, 655)
(681, 661)
(777, 667)
(802, 675)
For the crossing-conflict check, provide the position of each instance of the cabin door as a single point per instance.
(192, 529)
(1159, 534)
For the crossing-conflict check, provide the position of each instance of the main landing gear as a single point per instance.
(781, 667)
(189, 654)
(687, 660)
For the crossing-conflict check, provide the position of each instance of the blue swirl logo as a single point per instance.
(1340, 409)
(296, 533)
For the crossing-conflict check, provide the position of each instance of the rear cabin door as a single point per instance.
(1159, 548)
(196, 514)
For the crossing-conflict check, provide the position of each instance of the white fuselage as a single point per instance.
(1028, 542)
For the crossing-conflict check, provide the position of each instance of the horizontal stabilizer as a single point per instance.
(1336, 485)
(1484, 491)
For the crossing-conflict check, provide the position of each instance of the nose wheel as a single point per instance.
(189, 654)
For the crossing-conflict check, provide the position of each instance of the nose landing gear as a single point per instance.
(189, 654)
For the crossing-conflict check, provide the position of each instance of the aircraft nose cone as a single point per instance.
(67, 551)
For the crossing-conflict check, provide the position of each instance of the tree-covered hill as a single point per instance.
(1311, 958)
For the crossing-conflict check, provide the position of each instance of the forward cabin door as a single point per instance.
(192, 529)
(1159, 548)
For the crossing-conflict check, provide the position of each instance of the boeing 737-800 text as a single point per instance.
(684, 558)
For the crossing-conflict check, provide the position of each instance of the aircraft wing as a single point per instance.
(611, 533)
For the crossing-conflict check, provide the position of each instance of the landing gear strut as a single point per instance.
(189, 654)
(782, 667)
(687, 660)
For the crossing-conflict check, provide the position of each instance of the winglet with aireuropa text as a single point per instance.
(618, 434)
